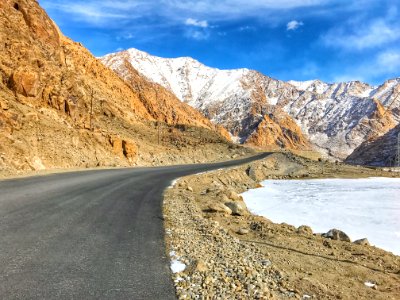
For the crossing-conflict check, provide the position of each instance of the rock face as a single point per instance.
(61, 107)
(335, 118)
(278, 129)
(378, 151)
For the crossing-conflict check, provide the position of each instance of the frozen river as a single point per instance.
(360, 207)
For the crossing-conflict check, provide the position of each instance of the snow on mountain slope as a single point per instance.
(336, 117)
(236, 99)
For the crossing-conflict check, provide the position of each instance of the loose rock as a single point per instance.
(238, 208)
(219, 207)
(336, 234)
(243, 231)
(362, 242)
(306, 230)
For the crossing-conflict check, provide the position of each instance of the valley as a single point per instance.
(114, 167)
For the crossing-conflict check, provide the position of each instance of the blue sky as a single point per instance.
(332, 40)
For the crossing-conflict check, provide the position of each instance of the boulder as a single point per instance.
(232, 195)
(196, 266)
(219, 207)
(238, 208)
(336, 234)
(243, 231)
(362, 242)
(306, 230)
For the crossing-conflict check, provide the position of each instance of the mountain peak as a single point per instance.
(332, 116)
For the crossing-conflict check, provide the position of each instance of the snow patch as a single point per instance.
(177, 266)
(363, 208)
(301, 85)
(173, 182)
(369, 284)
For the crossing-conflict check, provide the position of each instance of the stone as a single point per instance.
(336, 234)
(189, 188)
(256, 226)
(243, 231)
(234, 196)
(225, 198)
(304, 229)
(219, 207)
(238, 208)
(362, 242)
(197, 266)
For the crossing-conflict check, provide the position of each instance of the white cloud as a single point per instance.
(196, 23)
(363, 35)
(293, 25)
(385, 64)
(105, 12)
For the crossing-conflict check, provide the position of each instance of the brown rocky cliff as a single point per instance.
(278, 130)
(60, 107)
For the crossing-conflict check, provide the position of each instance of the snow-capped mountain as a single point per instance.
(335, 118)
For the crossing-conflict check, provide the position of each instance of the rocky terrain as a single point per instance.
(379, 151)
(334, 118)
(224, 252)
(60, 107)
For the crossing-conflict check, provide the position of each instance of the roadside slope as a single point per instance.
(230, 253)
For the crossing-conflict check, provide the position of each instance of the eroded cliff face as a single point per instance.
(61, 107)
(278, 130)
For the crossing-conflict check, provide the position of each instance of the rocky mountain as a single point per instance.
(334, 118)
(60, 107)
(379, 151)
(235, 99)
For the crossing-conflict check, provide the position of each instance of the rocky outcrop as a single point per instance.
(378, 151)
(280, 131)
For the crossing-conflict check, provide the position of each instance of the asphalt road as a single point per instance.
(88, 235)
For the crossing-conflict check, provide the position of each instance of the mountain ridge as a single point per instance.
(335, 117)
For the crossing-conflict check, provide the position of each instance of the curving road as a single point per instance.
(88, 235)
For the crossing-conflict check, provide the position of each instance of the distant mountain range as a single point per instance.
(335, 119)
